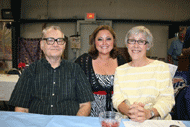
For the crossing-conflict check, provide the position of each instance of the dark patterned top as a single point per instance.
(85, 61)
(45, 90)
(103, 102)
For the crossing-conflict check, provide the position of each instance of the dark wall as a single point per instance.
(172, 30)
(15, 7)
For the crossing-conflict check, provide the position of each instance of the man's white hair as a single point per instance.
(51, 28)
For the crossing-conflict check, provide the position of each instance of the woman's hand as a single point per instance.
(138, 113)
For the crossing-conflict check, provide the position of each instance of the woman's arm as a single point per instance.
(138, 113)
(118, 99)
(124, 108)
(165, 100)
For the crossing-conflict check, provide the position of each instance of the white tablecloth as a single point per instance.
(7, 84)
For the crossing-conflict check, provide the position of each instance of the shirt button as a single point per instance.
(53, 94)
(54, 70)
(52, 106)
(53, 82)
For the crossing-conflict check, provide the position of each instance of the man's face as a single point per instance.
(55, 50)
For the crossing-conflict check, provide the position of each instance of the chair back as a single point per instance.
(181, 110)
(14, 71)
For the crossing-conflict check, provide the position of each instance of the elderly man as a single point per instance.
(52, 85)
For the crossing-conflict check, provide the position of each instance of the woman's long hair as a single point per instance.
(93, 52)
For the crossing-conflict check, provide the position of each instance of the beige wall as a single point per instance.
(160, 34)
(167, 10)
(163, 10)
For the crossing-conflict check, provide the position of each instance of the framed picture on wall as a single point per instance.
(75, 42)
(5, 42)
(5, 47)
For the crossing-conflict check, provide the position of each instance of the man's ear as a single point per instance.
(41, 44)
(64, 46)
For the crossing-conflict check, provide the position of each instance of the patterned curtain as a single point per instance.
(29, 50)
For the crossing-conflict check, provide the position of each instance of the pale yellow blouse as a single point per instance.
(150, 84)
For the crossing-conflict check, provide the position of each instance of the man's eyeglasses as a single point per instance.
(51, 41)
(140, 42)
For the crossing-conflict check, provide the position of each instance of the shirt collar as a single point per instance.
(48, 65)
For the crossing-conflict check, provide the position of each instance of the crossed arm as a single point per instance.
(136, 111)
(84, 109)
(20, 109)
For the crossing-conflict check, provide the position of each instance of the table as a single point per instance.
(7, 84)
(17, 119)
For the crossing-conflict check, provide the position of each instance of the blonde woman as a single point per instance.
(143, 87)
